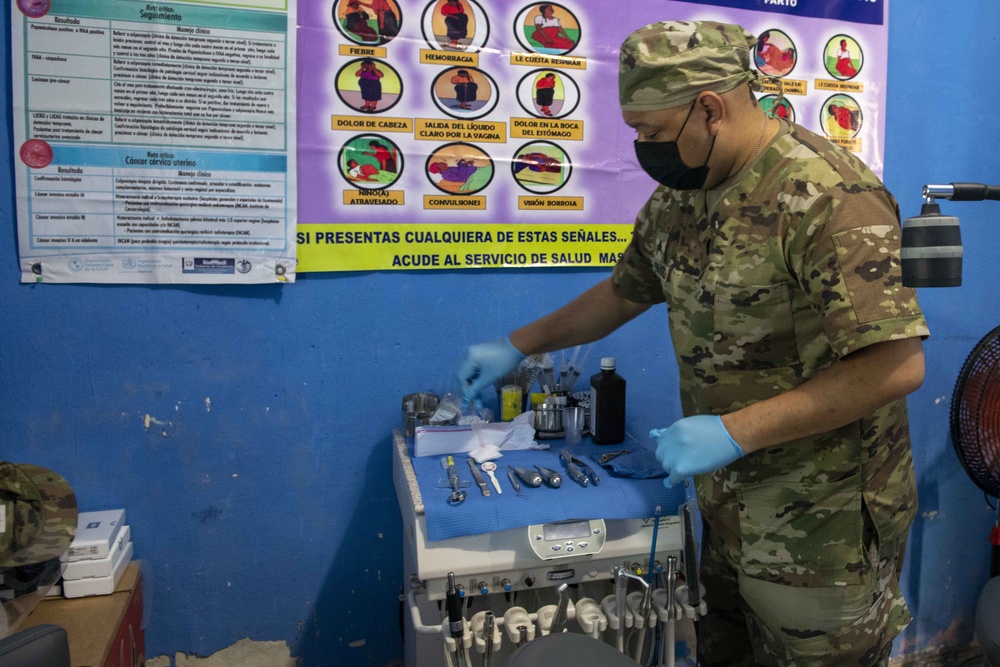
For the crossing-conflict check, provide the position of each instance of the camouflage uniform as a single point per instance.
(37, 526)
(39, 515)
(769, 278)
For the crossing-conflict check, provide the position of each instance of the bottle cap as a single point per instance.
(607, 363)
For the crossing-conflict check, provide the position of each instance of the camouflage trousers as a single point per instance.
(755, 622)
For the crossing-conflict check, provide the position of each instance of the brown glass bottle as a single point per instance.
(607, 405)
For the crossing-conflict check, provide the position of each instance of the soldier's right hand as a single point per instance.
(484, 364)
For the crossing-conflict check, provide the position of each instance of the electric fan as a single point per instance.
(975, 424)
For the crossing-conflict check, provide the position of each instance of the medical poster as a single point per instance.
(464, 134)
(155, 141)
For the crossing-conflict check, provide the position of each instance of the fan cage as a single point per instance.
(975, 414)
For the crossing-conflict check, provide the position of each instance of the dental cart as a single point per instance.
(529, 563)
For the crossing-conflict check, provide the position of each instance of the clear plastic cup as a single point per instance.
(573, 418)
(448, 410)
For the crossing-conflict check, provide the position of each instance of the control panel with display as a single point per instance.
(566, 539)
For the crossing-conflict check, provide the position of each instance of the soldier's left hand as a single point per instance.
(694, 445)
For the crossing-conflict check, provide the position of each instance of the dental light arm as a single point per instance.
(963, 192)
(932, 243)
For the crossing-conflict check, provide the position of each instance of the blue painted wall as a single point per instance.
(942, 93)
(246, 430)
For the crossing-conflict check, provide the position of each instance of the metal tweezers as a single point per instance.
(578, 470)
(611, 456)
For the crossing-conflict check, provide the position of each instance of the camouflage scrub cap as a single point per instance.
(39, 514)
(667, 64)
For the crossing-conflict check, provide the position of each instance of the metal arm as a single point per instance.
(961, 192)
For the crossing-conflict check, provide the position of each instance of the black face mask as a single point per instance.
(662, 161)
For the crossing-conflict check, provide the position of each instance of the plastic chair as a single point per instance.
(39, 646)
(988, 622)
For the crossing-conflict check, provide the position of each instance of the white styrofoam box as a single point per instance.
(78, 588)
(96, 533)
(98, 567)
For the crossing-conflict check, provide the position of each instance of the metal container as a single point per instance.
(417, 410)
(548, 418)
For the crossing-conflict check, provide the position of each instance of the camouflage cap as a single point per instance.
(667, 64)
(39, 514)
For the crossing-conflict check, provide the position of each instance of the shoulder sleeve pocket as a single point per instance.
(868, 258)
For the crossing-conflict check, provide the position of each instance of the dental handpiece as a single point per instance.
(456, 624)
(669, 629)
(671, 584)
(488, 638)
(621, 590)
(691, 560)
(559, 618)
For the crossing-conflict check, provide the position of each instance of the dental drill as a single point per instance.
(488, 637)
(456, 624)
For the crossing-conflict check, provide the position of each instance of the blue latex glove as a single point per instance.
(694, 445)
(483, 365)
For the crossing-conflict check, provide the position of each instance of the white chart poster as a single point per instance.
(155, 141)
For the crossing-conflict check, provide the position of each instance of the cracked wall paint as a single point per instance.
(165, 426)
(245, 653)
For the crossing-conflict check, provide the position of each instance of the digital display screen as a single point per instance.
(566, 531)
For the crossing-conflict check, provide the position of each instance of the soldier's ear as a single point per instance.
(713, 110)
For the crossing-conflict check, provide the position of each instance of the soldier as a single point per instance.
(40, 514)
(777, 254)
